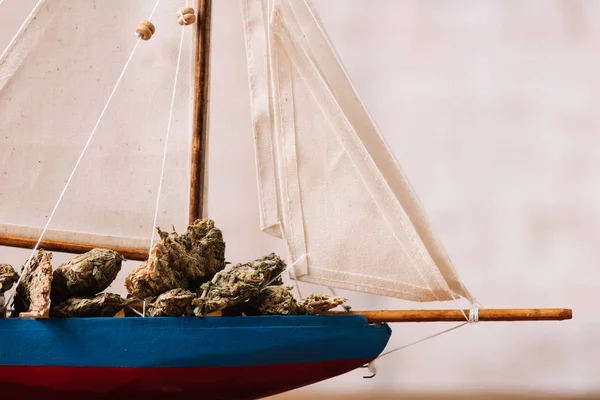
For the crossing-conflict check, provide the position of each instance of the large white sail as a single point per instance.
(55, 78)
(328, 184)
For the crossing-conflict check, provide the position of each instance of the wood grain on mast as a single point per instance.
(200, 119)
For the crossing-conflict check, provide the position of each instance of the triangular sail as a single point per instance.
(328, 183)
(55, 78)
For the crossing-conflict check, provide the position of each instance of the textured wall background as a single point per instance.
(491, 109)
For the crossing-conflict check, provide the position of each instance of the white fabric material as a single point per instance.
(262, 119)
(341, 197)
(26, 38)
(66, 67)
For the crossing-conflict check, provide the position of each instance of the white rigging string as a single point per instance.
(288, 268)
(83, 151)
(164, 158)
(165, 150)
(345, 306)
(471, 319)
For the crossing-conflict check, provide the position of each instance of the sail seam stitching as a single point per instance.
(167, 135)
(283, 34)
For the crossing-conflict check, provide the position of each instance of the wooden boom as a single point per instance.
(492, 314)
(130, 253)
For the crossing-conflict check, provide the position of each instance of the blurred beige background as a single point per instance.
(491, 107)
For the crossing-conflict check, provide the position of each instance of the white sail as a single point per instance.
(327, 181)
(55, 78)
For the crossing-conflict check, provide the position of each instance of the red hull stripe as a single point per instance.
(71, 383)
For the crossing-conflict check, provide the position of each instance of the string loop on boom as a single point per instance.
(471, 319)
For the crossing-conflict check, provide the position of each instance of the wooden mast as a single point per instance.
(201, 105)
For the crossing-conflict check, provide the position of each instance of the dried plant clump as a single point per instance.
(32, 296)
(180, 261)
(103, 305)
(319, 303)
(278, 300)
(8, 277)
(239, 283)
(185, 275)
(135, 307)
(174, 303)
(85, 275)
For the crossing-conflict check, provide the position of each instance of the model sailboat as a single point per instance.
(85, 105)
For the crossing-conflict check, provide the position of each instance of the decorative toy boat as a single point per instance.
(208, 358)
(84, 101)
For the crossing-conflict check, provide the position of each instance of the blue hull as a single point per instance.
(175, 357)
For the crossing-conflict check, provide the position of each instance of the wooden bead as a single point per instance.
(186, 16)
(145, 30)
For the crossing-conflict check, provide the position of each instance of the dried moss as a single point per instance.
(319, 303)
(134, 307)
(103, 305)
(184, 276)
(85, 275)
(276, 300)
(33, 292)
(175, 303)
(180, 261)
(8, 277)
(239, 283)
(280, 300)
